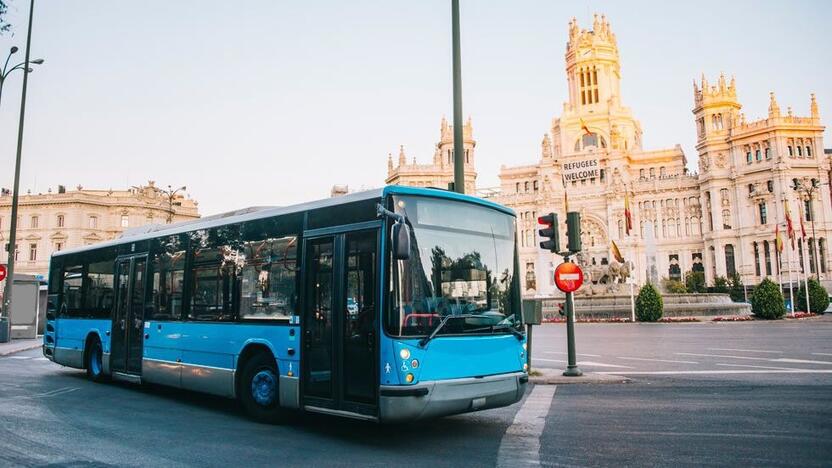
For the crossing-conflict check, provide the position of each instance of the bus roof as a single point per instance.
(269, 212)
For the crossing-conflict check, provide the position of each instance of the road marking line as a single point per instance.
(656, 360)
(520, 445)
(579, 354)
(725, 356)
(20, 357)
(822, 354)
(745, 350)
(737, 371)
(583, 363)
(755, 367)
(800, 361)
(41, 359)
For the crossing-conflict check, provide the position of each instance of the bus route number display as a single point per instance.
(568, 277)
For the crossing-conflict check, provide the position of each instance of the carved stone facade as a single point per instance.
(441, 171)
(53, 221)
(708, 221)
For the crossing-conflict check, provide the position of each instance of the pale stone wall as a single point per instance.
(56, 221)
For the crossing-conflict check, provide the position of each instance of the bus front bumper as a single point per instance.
(398, 403)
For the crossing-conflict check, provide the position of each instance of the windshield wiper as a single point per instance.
(424, 341)
(519, 335)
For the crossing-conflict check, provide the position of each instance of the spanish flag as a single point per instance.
(617, 253)
(789, 225)
(802, 227)
(628, 215)
(584, 127)
(778, 241)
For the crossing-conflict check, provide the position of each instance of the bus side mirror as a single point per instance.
(401, 241)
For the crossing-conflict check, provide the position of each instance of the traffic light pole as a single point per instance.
(572, 369)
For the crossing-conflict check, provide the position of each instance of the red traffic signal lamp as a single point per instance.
(549, 235)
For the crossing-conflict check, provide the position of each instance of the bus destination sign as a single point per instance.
(580, 170)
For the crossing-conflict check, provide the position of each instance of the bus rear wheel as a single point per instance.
(94, 361)
(258, 390)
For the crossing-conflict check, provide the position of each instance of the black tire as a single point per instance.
(262, 404)
(93, 361)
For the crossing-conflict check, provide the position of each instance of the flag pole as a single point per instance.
(803, 255)
(791, 290)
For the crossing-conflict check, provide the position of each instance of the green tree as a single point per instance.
(649, 305)
(695, 282)
(720, 285)
(767, 301)
(818, 297)
(737, 288)
(674, 286)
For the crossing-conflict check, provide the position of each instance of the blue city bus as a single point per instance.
(388, 305)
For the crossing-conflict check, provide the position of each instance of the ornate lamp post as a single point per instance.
(5, 71)
(171, 194)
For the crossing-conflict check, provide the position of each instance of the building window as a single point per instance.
(652, 172)
(758, 155)
(756, 258)
(770, 186)
(750, 189)
(125, 221)
(811, 255)
(526, 186)
(800, 255)
(748, 157)
(822, 253)
(33, 252)
(726, 219)
(517, 187)
(662, 172)
(641, 173)
(768, 153)
(34, 221)
(59, 246)
(674, 272)
(696, 262)
(730, 267)
(534, 184)
(808, 151)
(60, 221)
(791, 151)
(93, 222)
(807, 210)
(767, 255)
(799, 152)
(763, 213)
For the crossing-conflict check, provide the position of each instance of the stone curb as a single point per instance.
(551, 377)
(13, 348)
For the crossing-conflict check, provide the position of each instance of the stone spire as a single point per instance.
(389, 163)
(402, 157)
(813, 108)
(546, 147)
(773, 108)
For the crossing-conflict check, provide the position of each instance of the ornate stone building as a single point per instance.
(53, 221)
(721, 220)
(441, 171)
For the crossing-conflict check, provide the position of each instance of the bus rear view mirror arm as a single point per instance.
(400, 233)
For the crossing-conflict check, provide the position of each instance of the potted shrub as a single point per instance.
(818, 297)
(767, 301)
(649, 304)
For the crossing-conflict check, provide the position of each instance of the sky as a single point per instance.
(273, 102)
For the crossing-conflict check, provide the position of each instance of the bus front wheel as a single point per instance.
(258, 390)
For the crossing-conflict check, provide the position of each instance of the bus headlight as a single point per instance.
(404, 353)
(414, 363)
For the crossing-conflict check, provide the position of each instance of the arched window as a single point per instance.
(767, 256)
(730, 267)
(641, 173)
(726, 219)
(590, 140)
(768, 152)
(770, 186)
(517, 187)
(799, 152)
(652, 172)
(822, 253)
(756, 258)
(60, 221)
(763, 213)
(757, 155)
(808, 151)
(687, 226)
(526, 185)
(535, 186)
(812, 255)
(695, 227)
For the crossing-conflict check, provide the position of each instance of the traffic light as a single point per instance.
(549, 235)
(573, 231)
(560, 308)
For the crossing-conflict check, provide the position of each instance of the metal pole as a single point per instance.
(805, 273)
(529, 347)
(7, 296)
(572, 369)
(632, 304)
(459, 152)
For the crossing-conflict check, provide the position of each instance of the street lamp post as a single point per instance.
(807, 189)
(5, 321)
(171, 194)
(6, 71)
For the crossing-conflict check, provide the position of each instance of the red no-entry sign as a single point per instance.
(568, 277)
(3, 272)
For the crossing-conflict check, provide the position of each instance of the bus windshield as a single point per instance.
(462, 263)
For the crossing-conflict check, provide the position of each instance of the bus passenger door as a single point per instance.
(339, 323)
(128, 319)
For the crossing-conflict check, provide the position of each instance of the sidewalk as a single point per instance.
(555, 377)
(16, 346)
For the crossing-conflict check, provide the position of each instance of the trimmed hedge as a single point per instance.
(720, 285)
(674, 286)
(737, 288)
(767, 301)
(695, 282)
(649, 304)
(818, 297)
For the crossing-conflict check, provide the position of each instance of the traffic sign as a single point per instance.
(568, 277)
(3, 272)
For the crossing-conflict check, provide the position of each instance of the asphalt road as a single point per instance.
(757, 394)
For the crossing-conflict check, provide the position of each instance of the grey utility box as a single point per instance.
(25, 311)
(532, 311)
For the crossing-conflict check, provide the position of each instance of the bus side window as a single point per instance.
(167, 276)
(217, 261)
(99, 296)
(73, 283)
(268, 281)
